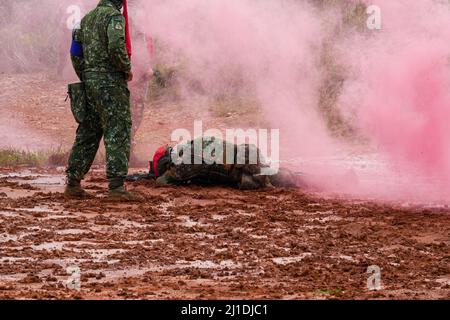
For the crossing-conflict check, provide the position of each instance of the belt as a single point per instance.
(103, 75)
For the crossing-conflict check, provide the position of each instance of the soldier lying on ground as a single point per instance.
(240, 172)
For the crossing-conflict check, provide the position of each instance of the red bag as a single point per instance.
(161, 152)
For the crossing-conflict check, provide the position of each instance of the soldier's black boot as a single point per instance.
(74, 190)
(254, 182)
(248, 183)
(117, 191)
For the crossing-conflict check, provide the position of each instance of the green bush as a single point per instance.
(12, 157)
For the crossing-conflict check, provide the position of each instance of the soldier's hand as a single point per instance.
(130, 76)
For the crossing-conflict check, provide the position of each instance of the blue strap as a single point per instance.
(76, 49)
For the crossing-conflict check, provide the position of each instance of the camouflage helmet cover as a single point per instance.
(117, 3)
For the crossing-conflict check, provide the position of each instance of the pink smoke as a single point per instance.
(268, 45)
(408, 110)
(401, 93)
(396, 89)
(396, 92)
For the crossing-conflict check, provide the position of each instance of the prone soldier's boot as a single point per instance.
(248, 183)
(117, 191)
(74, 190)
(253, 182)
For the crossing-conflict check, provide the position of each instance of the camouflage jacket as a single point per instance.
(102, 35)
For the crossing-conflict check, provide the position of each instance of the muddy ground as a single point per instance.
(214, 243)
(195, 242)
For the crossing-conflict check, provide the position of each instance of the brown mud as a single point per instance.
(213, 243)
(194, 242)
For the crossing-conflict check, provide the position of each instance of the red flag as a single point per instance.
(127, 28)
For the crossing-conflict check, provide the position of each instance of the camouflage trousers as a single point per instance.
(108, 117)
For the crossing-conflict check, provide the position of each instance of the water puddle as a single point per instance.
(132, 224)
(49, 180)
(71, 231)
(206, 264)
(444, 281)
(288, 260)
(58, 245)
(9, 214)
(101, 255)
(15, 259)
(198, 264)
(12, 277)
(40, 209)
(332, 218)
(20, 175)
(165, 208)
(254, 236)
(49, 246)
(203, 235)
(4, 237)
(344, 257)
(17, 193)
(219, 217)
(245, 214)
(35, 179)
(186, 221)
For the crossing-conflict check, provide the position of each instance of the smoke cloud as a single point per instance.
(400, 93)
(389, 88)
(266, 49)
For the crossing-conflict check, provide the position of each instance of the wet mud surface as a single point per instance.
(213, 243)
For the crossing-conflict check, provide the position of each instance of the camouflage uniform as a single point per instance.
(104, 68)
(241, 172)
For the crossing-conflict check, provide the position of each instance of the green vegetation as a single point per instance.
(12, 157)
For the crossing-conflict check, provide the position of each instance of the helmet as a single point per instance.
(118, 3)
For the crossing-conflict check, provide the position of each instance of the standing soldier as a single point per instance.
(100, 58)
